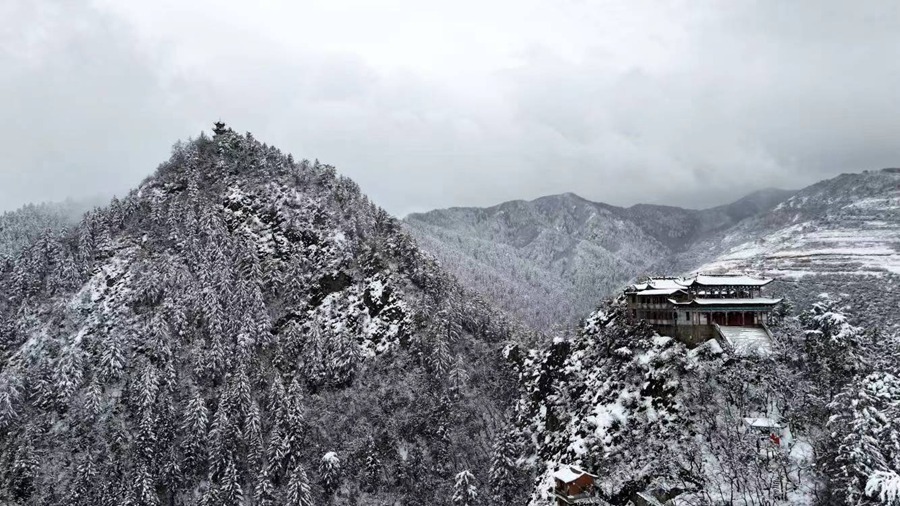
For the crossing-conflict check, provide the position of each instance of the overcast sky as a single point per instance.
(471, 102)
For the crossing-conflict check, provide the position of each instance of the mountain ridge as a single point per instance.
(595, 248)
(564, 251)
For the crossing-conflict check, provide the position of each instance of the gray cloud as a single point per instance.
(83, 114)
(635, 102)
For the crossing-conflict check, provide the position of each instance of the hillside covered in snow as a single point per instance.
(846, 225)
(840, 236)
(816, 421)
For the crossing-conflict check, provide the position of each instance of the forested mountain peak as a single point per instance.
(241, 328)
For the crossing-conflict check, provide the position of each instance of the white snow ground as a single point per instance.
(747, 340)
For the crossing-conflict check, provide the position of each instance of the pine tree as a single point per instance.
(24, 468)
(344, 360)
(504, 482)
(264, 492)
(10, 393)
(464, 491)
(298, 493)
(864, 434)
(219, 438)
(84, 486)
(112, 358)
(458, 377)
(68, 373)
(371, 466)
(330, 474)
(254, 436)
(833, 346)
(441, 359)
(193, 428)
(231, 492)
(294, 423)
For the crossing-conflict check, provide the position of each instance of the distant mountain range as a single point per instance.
(552, 259)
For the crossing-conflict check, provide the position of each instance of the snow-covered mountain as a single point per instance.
(243, 329)
(846, 225)
(551, 260)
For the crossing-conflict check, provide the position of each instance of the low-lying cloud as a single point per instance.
(427, 107)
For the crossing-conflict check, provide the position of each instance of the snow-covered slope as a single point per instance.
(548, 259)
(840, 236)
(551, 259)
(816, 417)
(846, 225)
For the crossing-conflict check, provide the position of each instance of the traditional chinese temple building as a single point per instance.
(695, 309)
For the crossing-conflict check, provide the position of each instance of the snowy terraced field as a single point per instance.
(847, 225)
(800, 250)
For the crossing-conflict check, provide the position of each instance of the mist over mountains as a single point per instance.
(20, 227)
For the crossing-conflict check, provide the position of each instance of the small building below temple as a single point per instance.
(573, 485)
(695, 309)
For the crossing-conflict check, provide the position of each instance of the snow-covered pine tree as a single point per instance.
(505, 479)
(298, 491)
(863, 456)
(330, 474)
(10, 392)
(833, 346)
(465, 492)
(371, 466)
(231, 492)
(194, 429)
(458, 378)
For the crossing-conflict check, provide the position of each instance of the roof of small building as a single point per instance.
(758, 301)
(648, 498)
(711, 280)
(568, 474)
(762, 423)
